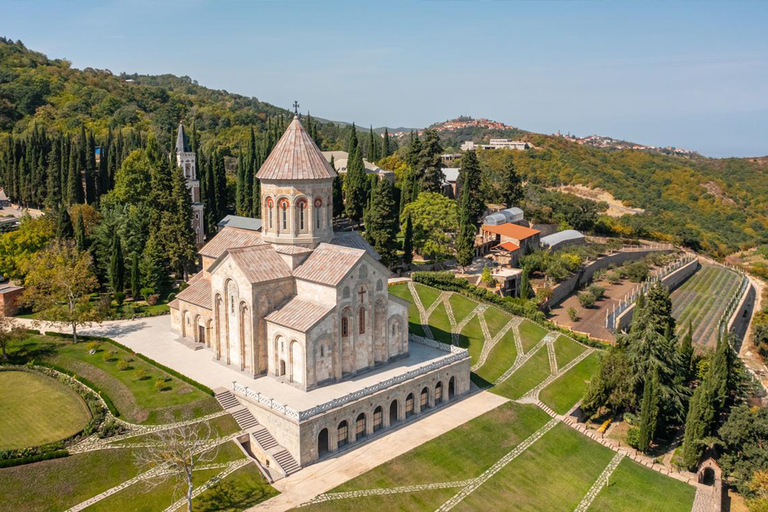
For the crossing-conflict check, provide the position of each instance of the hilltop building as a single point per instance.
(341, 159)
(518, 145)
(304, 315)
(187, 160)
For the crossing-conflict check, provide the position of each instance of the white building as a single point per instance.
(341, 160)
(304, 314)
(518, 145)
(187, 160)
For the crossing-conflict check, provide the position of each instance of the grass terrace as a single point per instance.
(530, 334)
(565, 391)
(527, 377)
(472, 338)
(566, 350)
(501, 357)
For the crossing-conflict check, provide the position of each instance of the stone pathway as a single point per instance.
(491, 342)
(498, 466)
(330, 496)
(458, 327)
(533, 394)
(552, 356)
(601, 481)
(425, 313)
(523, 358)
(704, 500)
(229, 468)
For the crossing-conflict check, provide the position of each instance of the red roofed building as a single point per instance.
(526, 239)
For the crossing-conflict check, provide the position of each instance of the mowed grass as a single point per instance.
(427, 294)
(563, 393)
(495, 320)
(472, 338)
(132, 390)
(530, 334)
(422, 501)
(414, 319)
(440, 325)
(464, 452)
(59, 484)
(461, 306)
(527, 377)
(639, 489)
(553, 474)
(36, 409)
(500, 358)
(244, 488)
(566, 350)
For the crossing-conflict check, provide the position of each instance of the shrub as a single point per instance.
(160, 385)
(596, 291)
(123, 365)
(637, 271)
(633, 437)
(108, 357)
(146, 292)
(486, 276)
(7, 463)
(613, 277)
(573, 314)
(152, 299)
(171, 296)
(586, 299)
(119, 298)
(142, 375)
(93, 346)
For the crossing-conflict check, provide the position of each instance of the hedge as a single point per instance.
(7, 463)
(519, 307)
(85, 337)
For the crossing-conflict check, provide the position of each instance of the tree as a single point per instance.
(19, 247)
(59, 283)
(381, 224)
(133, 181)
(64, 229)
(525, 286)
(177, 228)
(511, 184)
(135, 275)
(744, 437)
(698, 424)
(153, 272)
(338, 192)
(408, 241)
(435, 221)
(356, 193)
(9, 332)
(80, 239)
(649, 411)
(116, 266)
(469, 176)
(686, 352)
(173, 454)
(385, 150)
(431, 163)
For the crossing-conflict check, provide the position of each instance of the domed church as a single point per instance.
(303, 313)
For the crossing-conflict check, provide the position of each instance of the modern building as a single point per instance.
(562, 239)
(187, 160)
(525, 238)
(304, 315)
(518, 145)
(514, 215)
(341, 160)
(451, 182)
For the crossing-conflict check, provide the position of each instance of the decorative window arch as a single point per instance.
(363, 271)
(302, 205)
(361, 315)
(344, 326)
(318, 214)
(345, 293)
(283, 205)
(379, 285)
(270, 205)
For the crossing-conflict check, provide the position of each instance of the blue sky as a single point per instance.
(688, 74)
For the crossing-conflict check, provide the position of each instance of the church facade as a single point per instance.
(303, 313)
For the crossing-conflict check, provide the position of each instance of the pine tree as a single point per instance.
(135, 276)
(686, 352)
(648, 413)
(408, 241)
(355, 193)
(80, 239)
(698, 423)
(74, 180)
(511, 184)
(381, 225)
(385, 151)
(240, 190)
(64, 230)
(116, 266)
(338, 192)
(431, 163)
(470, 186)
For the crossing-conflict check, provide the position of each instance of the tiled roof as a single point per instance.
(354, 240)
(291, 249)
(182, 142)
(198, 293)
(296, 157)
(509, 246)
(328, 264)
(260, 263)
(229, 238)
(511, 230)
(300, 315)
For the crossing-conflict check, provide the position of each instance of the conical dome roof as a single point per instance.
(296, 157)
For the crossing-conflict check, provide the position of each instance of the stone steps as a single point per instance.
(264, 438)
(245, 419)
(287, 462)
(227, 400)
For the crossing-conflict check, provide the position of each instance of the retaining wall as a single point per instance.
(739, 321)
(671, 280)
(584, 276)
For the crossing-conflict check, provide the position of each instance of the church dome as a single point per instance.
(296, 157)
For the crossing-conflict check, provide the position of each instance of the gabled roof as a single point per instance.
(510, 230)
(182, 142)
(296, 157)
(328, 264)
(509, 246)
(230, 238)
(300, 315)
(561, 236)
(354, 240)
(198, 293)
(259, 263)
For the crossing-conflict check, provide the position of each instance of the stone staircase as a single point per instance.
(276, 455)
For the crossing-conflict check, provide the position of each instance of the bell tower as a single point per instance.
(187, 161)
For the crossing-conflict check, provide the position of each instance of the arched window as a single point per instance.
(284, 208)
(302, 214)
(342, 434)
(360, 426)
(363, 272)
(270, 205)
(362, 320)
(378, 422)
(344, 326)
(409, 406)
(318, 206)
(424, 402)
(345, 293)
(232, 304)
(379, 285)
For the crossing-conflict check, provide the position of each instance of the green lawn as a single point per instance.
(472, 338)
(37, 409)
(427, 294)
(527, 377)
(501, 357)
(634, 487)
(220, 426)
(461, 453)
(530, 334)
(58, 484)
(495, 319)
(414, 319)
(423, 501)
(132, 391)
(242, 489)
(461, 306)
(566, 350)
(440, 325)
(566, 390)
(553, 474)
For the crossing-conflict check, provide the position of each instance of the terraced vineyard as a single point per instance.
(702, 300)
(520, 453)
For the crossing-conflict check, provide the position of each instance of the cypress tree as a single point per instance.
(385, 152)
(511, 184)
(373, 153)
(255, 186)
(408, 241)
(338, 192)
(648, 413)
(698, 422)
(91, 173)
(153, 272)
(179, 235)
(74, 180)
(469, 177)
(686, 352)
(64, 230)
(54, 176)
(116, 266)
(240, 186)
(525, 286)
(355, 194)
(430, 163)
(80, 239)
(135, 276)
(381, 225)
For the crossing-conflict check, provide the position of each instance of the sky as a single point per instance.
(687, 74)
